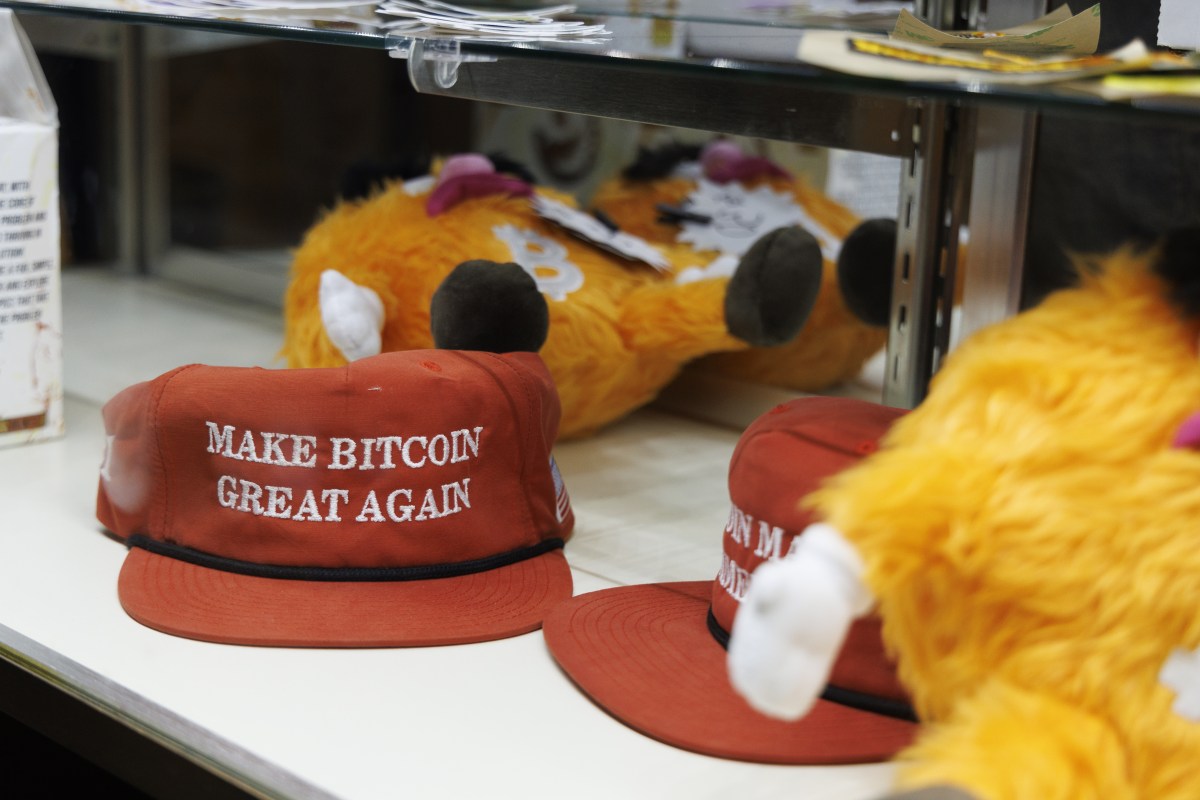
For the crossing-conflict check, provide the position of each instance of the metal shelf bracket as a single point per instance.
(934, 192)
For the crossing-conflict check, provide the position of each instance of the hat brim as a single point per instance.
(645, 655)
(197, 602)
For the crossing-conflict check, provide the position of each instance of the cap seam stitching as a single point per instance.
(161, 451)
(524, 430)
(532, 416)
(527, 431)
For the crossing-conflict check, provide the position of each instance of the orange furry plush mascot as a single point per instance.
(1029, 535)
(716, 201)
(620, 330)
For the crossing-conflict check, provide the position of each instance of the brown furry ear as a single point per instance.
(510, 166)
(1179, 265)
(657, 162)
(363, 178)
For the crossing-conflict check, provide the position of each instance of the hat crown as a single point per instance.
(413, 458)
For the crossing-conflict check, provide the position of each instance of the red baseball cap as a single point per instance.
(406, 499)
(654, 657)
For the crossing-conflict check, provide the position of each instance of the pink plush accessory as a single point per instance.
(1188, 434)
(723, 162)
(470, 175)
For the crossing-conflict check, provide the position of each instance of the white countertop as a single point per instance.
(496, 719)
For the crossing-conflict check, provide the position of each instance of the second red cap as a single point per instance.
(653, 656)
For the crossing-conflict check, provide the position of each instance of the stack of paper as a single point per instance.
(849, 10)
(879, 57)
(251, 10)
(431, 17)
(1056, 47)
(260, 5)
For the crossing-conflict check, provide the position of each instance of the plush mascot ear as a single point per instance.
(864, 270)
(1179, 265)
(482, 305)
(774, 288)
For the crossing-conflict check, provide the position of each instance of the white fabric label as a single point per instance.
(543, 258)
(590, 229)
(740, 217)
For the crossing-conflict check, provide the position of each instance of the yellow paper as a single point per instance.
(881, 57)
(1056, 33)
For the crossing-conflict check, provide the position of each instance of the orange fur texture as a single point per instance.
(834, 344)
(1033, 540)
(613, 343)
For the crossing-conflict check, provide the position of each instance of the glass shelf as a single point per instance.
(667, 39)
(709, 65)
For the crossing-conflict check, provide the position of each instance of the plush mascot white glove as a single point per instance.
(793, 621)
(352, 316)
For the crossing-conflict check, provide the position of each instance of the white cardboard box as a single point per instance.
(1179, 24)
(31, 386)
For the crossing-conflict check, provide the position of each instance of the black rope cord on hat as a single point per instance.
(343, 574)
(897, 709)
